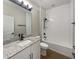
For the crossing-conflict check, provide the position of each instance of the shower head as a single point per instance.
(45, 19)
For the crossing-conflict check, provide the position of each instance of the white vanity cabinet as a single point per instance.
(25, 54)
(36, 50)
(31, 52)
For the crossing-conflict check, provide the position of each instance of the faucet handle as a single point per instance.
(22, 35)
(19, 34)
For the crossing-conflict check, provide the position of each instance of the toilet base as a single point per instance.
(44, 47)
(43, 52)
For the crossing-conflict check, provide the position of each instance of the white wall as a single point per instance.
(59, 29)
(42, 17)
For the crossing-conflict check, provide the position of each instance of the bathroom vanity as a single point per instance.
(18, 21)
(19, 50)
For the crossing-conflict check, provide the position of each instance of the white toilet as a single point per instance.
(44, 47)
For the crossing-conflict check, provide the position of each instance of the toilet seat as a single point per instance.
(44, 45)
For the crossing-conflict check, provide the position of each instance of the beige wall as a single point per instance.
(35, 21)
(37, 16)
(43, 13)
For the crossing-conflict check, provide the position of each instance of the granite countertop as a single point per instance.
(13, 48)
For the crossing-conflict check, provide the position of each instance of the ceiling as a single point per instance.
(50, 3)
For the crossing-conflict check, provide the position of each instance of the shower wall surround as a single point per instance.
(59, 30)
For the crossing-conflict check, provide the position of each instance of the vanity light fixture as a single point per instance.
(30, 6)
(23, 3)
(20, 1)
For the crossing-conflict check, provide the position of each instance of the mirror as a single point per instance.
(18, 20)
(28, 24)
(8, 27)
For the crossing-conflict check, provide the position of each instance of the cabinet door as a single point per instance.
(36, 50)
(25, 54)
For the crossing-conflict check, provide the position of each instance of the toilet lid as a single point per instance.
(43, 44)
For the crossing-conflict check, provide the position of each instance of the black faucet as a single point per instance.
(21, 36)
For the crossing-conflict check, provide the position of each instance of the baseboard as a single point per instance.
(60, 49)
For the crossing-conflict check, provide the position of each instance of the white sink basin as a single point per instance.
(23, 43)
